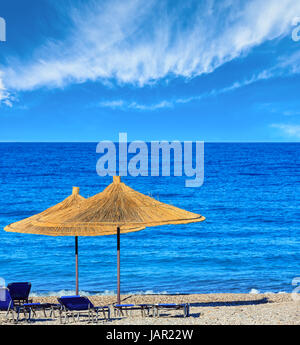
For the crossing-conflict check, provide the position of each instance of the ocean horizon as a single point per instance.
(248, 242)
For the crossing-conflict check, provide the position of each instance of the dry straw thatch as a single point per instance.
(117, 206)
(26, 225)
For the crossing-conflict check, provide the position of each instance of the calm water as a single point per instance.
(250, 240)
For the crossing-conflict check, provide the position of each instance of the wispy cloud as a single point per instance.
(125, 105)
(281, 108)
(291, 112)
(5, 97)
(288, 129)
(140, 42)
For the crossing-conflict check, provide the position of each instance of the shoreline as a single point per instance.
(205, 309)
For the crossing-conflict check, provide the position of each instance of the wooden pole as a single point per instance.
(76, 264)
(118, 269)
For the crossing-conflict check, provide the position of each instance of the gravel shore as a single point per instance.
(205, 309)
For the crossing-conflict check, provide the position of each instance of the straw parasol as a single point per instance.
(26, 225)
(118, 209)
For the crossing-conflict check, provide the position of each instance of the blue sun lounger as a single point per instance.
(7, 304)
(19, 292)
(72, 305)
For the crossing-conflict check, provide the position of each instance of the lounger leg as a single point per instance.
(29, 315)
(24, 313)
(12, 315)
(52, 312)
(7, 313)
(18, 315)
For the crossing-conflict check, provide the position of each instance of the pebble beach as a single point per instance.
(205, 309)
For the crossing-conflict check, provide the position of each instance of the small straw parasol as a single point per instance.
(117, 209)
(26, 225)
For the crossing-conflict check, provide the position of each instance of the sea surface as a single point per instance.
(250, 240)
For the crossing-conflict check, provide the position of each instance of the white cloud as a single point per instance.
(5, 97)
(140, 42)
(288, 129)
(280, 108)
(291, 112)
(125, 105)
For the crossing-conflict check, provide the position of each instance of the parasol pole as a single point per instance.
(118, 265)
(76, 263)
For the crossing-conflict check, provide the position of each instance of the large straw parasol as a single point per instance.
(118, 209)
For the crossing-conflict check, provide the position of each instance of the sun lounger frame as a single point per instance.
(92, 311)
(119, 309)
(171, 306)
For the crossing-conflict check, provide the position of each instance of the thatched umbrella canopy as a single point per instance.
(118, 209)
(118, 206)
(27, 225)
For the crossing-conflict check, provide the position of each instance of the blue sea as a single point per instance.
(250, 239)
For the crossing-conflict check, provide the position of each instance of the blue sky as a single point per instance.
(214, 70)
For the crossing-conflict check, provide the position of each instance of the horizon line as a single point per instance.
(148, 141)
